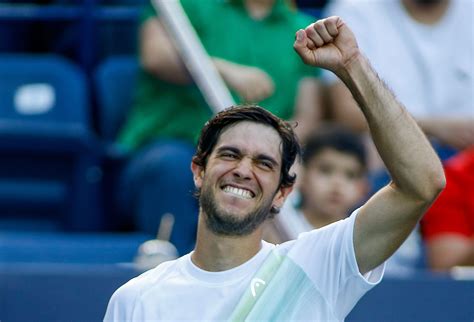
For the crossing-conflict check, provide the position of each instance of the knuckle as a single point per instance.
(310, 29)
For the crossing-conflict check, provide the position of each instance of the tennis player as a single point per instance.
(242, 174)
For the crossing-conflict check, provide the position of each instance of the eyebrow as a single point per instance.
(260, 156)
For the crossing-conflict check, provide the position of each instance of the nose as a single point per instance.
(338, 180)
(243, 169)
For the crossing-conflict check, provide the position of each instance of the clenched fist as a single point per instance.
(327, 43)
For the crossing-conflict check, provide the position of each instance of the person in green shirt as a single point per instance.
(249, 41)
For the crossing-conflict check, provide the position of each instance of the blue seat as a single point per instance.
(61, 247)
(49, 160)
(115, 80)
(114, 83)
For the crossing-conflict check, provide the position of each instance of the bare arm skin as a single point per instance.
(456, 132)
(308, 107)
(386, 220)
(159, 56)
(448, 250)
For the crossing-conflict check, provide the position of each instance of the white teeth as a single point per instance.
(238, 192)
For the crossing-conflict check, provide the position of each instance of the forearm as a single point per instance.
(171, 68)
(167, 71)
(159, 56)
(412, 163)
(308, 107)
(427, 125)
(449, 250)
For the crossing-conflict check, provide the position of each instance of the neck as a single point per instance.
(216, 253)
(259, 9)
(426, 12)
(318, 219)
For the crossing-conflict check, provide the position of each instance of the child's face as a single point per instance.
(333, 183)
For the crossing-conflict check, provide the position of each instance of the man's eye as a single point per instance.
(229, 155)
(266, 165)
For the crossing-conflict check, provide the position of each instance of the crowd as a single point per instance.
(421, 49)
(348, 155)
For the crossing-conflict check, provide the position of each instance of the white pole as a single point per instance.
(194, 55)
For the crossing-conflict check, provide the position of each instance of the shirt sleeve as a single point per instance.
(327, 256)
(147, 12)
(124, 304)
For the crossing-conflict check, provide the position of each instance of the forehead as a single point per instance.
(336, 158)
(251, 137)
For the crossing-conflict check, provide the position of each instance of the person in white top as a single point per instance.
(424, 51)
(242, 174)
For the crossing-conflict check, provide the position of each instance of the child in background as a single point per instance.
(332, 182)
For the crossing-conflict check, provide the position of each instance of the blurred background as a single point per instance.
(68, 73)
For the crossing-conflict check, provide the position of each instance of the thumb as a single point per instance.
(301, 45)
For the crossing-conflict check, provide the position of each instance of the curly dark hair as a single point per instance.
(212, 130)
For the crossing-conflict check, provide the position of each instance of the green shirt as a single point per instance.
(165, 110)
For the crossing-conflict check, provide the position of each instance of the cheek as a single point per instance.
(318, 182)
(353, 191)
(315, 188)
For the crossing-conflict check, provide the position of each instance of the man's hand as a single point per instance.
(327, 43)
(252, 84)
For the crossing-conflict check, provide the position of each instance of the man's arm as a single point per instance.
(308, 107)
(386, 220)
(457, 132)
(159, 56)
(448, 250)
(453, 131)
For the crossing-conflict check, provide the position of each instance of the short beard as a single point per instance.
(223, 223)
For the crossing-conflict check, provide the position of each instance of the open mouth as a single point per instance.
(238, 192)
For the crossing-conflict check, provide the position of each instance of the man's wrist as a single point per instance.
(353, 67)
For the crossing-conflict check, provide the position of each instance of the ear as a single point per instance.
(198, 174)
(281, 196)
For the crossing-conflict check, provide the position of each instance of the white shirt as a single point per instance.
(404, 262)
(430, 68)
(313, 278)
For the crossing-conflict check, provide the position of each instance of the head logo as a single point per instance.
(254, 284)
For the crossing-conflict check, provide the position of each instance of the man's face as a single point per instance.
(241, 180)
(333, 183)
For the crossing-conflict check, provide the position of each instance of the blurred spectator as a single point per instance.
(448, 226)
(423, 50)
(250, 43)
(331, 183)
